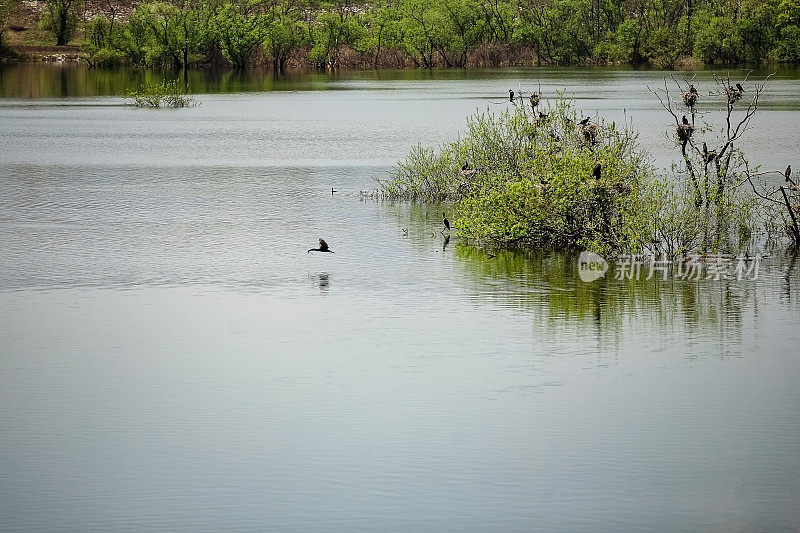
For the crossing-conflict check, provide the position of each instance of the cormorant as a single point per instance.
(692, 90)
(708, 156)
(596, 171)
(510, 95)
(739, 87)
(585, 121)
(788, 172)
(323, 247)
(446, 222)
(685, 120)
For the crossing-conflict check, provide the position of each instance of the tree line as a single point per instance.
(432, 33)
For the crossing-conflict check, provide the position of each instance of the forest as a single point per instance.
(283, 34)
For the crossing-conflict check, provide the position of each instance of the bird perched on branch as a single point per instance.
(596, 171)
(446, 222)
(584, 121)
(510, 95)
(739, 87)
(685, 120)
(708, 155)
(692, 90)
(323, 247)
(788, 173)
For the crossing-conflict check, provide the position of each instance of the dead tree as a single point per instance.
(711, 159)
(787, 203)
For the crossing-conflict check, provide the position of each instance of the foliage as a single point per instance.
(530, 177)
(60, 19)
(450, 33)
(163, 94)
(7, 8)
(523, 178)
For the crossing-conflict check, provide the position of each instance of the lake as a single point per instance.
(172, 358)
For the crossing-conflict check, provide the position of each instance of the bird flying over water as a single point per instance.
(323, 247)
(446, 222)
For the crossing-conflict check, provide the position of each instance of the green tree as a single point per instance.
(60, 19)
(239, 28)
(283, 33)
(336, 26)
(383, 29)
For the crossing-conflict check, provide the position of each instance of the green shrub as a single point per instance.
(529, 181)
(106, 57)
(165, 93)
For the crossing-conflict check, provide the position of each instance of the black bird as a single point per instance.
(788, 173)
(692, 90)
(739, 87)
(705, 150)
(465, 166)
(596, 171)
(446, 222)
(685, 120)
(323, 247)
(584, 121)
(510, 95)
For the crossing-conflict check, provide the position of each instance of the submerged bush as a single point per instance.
(165, 93)
(525, 177)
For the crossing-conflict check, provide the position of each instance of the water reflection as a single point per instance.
(171, 350)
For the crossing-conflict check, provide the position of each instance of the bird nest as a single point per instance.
(689, 98)
(589, 131)
(708, 155)
(684, 131)
(733, 95)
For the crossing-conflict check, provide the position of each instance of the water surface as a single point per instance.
(171, 357)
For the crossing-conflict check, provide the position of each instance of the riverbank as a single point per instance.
(406, 34)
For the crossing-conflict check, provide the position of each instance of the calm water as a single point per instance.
(171, 358)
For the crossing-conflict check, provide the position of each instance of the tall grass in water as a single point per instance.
(162, 94)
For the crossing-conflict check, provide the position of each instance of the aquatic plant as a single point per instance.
(162, 94)
(530, 177)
